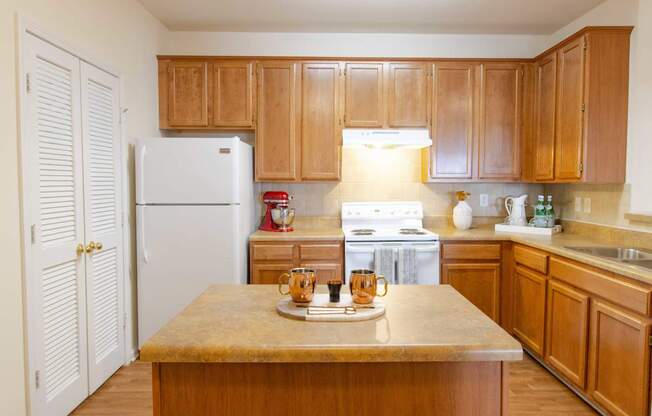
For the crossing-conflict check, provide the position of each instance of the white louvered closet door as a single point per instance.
(104, 267)
(56, 291)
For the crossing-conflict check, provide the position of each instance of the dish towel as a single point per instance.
(407, 266)
(384, 260)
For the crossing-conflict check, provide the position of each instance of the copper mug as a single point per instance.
(301, 284)
(364, 286)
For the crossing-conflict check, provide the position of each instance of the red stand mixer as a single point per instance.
(278, 215)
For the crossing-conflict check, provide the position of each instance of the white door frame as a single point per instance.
(24, 27)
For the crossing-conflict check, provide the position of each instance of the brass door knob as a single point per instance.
(80, 249)
(90, 247)
(98, 246)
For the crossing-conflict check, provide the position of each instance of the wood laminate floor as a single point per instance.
(533, 391)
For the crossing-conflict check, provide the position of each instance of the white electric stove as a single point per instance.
(369, 226)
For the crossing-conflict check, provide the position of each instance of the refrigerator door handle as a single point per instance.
(141, 197)
(142, 237)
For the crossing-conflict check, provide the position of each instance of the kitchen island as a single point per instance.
(229, 353)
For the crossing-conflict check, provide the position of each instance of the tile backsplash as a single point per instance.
(393, 175)
(608, 204)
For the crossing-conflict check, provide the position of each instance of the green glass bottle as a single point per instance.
(550, 213)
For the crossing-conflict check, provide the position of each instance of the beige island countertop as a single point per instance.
(239, 324)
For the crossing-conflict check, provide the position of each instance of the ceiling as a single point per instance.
(375, 16)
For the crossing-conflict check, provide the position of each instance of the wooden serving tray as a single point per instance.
(288, 309)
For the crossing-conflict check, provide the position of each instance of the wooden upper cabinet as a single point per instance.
(567, 326)
(500, 121)
(407, 98)
(233, 94)
(321, 129)
(451, 154)
(364, 98)
(570, 111)
(187, 94)
(619, 360)
(545, 102)
(276, 134)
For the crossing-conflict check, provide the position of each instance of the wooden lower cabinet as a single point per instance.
(478, 282)
(325, 271)
(529, 308)
(268, 274)
(270, 259)
(619, 360)
(567, 327)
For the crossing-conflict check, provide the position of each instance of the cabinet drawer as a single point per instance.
(470, 251)
(534, 259)
(325, 271)
(272, 251)
(320, 252)
(628, 294)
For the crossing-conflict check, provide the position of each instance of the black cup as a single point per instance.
(334, 288)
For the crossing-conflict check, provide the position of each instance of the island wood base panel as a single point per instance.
(424, 388)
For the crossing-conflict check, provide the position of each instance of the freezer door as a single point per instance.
(187, 171)
(181, 251)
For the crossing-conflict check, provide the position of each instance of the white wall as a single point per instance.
(125, 36)
(639, 151)
(352, 44)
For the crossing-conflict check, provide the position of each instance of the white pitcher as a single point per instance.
(515, 207)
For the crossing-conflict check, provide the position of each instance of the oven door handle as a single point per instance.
(359, 250)
(427, 249)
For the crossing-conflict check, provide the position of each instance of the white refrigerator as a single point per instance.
(194, 213)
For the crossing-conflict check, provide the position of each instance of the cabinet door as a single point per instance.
(529, 308)
(570, 112)
(619, 360)
(233, 95)
(408, 95)
(188, 94)
(276, 134)
(479, 283)
(567, 325)
(500, 121)
(325, 271)
(544, 129)
(452, 120)
(363, 99)
(268, 273)
(321, 130)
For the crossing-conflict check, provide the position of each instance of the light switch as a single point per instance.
(587, 205)
(578, 204)
(484, 200)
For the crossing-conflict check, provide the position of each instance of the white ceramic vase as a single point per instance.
(462, 215)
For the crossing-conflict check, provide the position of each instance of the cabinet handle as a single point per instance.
(80, 249)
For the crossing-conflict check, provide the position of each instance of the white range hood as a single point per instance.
(386, 138)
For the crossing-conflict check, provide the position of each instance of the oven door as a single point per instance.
(360, 255)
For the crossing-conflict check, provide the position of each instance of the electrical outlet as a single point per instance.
(484, 200)
(587, 205)
(578, 204)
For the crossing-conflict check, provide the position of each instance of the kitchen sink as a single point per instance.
(641, 263)
(624, 254)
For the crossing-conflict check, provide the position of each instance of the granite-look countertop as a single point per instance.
(239, 323)
(302, 233)
(555, 244)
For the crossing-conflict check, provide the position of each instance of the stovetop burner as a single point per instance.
(411, 231)
(363, 231)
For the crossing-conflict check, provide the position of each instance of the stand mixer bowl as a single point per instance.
(283, 217)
